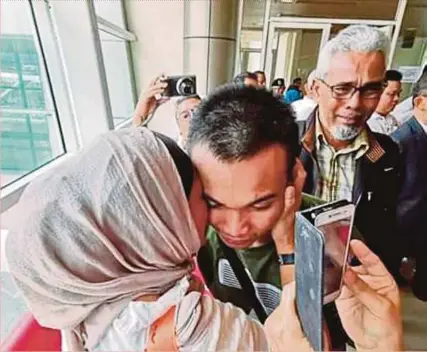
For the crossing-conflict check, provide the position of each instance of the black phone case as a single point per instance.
(309, 249)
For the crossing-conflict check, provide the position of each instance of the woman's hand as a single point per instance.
(282, 327)
(283, 231)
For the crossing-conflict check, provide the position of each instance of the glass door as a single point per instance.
(293, 48)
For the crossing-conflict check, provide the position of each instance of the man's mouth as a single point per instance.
(348, 120)
(236, 242)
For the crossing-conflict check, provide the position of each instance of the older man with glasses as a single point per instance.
(343, 158)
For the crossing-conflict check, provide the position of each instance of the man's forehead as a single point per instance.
(236, 184)
(262, 164)
(188, 104)
(351, 66)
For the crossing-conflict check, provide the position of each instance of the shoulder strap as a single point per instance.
(161, 336)
(244, 280)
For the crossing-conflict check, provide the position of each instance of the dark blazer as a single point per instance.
(376, 187)
(412, 206)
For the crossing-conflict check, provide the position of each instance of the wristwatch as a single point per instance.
(286, 259)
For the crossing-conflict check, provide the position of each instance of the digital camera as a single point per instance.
(180, 86)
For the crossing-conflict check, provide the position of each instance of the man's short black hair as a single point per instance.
(235, 123)
(240, 78)
(297, 80)
(259, 73)
(393, 75)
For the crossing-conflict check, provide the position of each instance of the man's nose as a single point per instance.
(355, 101)
(235, 224)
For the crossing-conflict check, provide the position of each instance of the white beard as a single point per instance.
(345, 133)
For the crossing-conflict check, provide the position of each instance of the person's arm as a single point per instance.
(147, 101)
(283, 232)
(369, 308)
(206, 324)
(283, 328)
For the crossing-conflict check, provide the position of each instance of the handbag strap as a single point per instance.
(244, 280)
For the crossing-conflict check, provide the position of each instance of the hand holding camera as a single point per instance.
(159, 91)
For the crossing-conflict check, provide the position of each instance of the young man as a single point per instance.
(244, 144)
(382, 121)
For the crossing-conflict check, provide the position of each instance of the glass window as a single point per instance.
(120, 88)
(30, 132)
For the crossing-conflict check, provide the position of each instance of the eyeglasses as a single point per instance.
(346, 91)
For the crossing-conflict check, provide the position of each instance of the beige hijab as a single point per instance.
(111, 224)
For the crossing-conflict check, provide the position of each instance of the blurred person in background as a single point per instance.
(382, 121)
(305, 106)
(152, 98)
(261, 78)
(248, 79)
(278, 88)
(294, 91)
(412, 210)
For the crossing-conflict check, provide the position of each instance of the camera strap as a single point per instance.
(244, 280)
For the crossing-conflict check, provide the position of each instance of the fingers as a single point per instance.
(287, 304)
(369, 260)
(156, 79)
(299, 175)
(368, 297)
(289, 198)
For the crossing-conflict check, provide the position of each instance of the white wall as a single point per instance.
(159, 28)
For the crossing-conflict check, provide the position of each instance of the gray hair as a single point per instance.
(310, 78)
(356, 38)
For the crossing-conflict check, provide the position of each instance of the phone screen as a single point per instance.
(336, 228)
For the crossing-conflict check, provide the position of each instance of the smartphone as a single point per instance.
(309, 249)
(336, 226)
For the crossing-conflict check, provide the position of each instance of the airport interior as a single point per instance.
(73, 70)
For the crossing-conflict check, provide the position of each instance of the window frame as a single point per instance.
(54, 38)
(128, 37)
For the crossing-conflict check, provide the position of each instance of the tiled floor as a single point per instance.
(414, 322)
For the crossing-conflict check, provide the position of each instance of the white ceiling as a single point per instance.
(415, 15)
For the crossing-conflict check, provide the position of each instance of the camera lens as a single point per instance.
(185, 87)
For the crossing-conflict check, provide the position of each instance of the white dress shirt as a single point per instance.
(383, 124)
(303, 108)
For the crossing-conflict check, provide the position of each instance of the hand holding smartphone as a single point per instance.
(322, 240)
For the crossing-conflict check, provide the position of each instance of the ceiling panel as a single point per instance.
(415, 15)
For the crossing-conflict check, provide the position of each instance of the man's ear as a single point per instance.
(316, 90)
(420, 103)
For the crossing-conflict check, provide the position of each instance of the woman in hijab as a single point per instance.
(105, 252)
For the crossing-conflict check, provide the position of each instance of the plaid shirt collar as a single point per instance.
(360, 144)
(373, 153)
